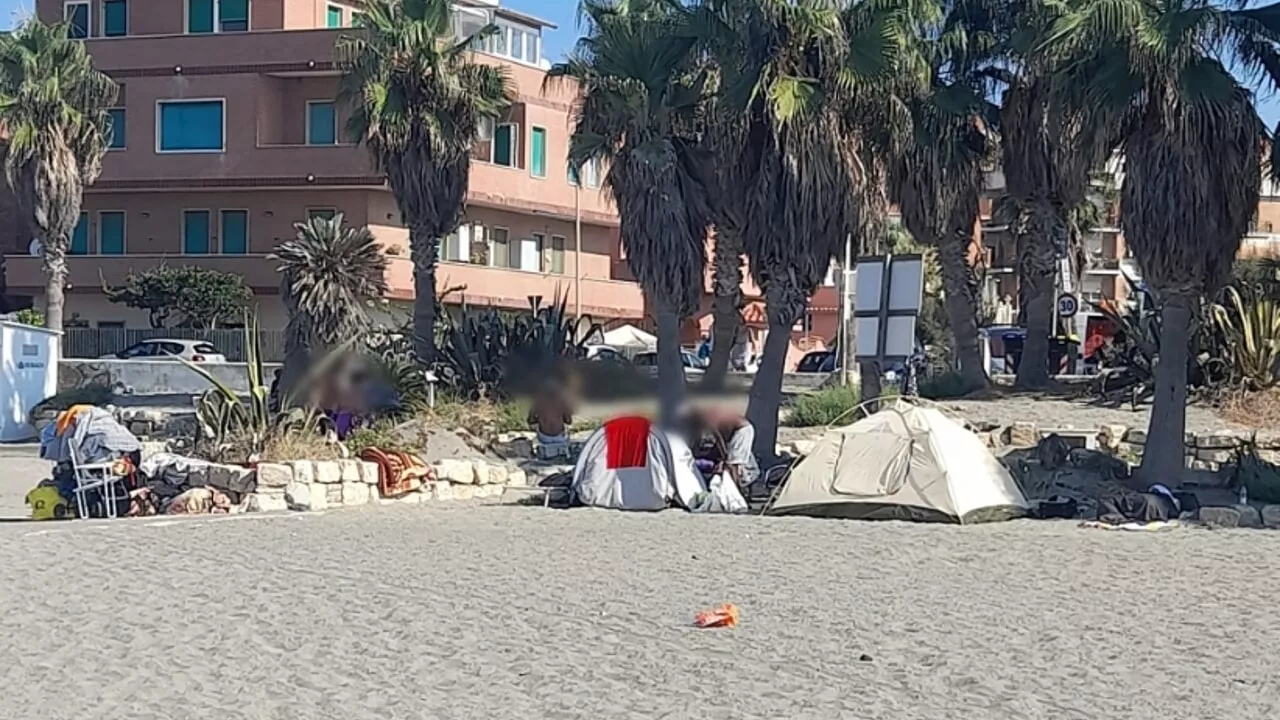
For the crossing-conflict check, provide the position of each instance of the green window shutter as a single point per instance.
(195, 232)
(111, 232)
(322, 125)
(80, 236)
(538, 153)
(235, 232)
(115, 18)
(333, 16)
(502, 146)
(199, 16)
(233, 15)
(191, 125)
(115, 128)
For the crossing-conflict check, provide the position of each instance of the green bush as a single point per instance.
(381, 435)
(824, 407)
(943, 387)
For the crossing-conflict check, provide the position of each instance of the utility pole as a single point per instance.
(845, 335)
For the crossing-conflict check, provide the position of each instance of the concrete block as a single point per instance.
(458, 472)
(333, 495)
(443, 490)
(328, 472)
(464, 492)
(319, 496)
(517, 478)
(1023, 434)
(1249, 517)
(355, 493)
(480, 469)
(1214, 456)
(274, 475)
(297, 495)
(304, 471)
(350, 470)
(497, 475)
(369, 472)
(266, 502)
(1217, 441)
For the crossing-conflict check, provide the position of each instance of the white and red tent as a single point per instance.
(628, 464)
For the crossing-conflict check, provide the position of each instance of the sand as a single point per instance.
(515, 612)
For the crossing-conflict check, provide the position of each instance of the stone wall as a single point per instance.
(155, 377)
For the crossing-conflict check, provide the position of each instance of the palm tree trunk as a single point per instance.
(670, 365)
(727, 281)
(1163, 460)
(55, 269)
(1042, 245)
(870, 385)
(424, 250)
(962, 307)
(785, 303)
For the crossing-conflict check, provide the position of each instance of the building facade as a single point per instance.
(227, 132)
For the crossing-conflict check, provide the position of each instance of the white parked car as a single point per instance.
(165, 348)
(649, 360)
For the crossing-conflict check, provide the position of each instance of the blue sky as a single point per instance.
(555, 42)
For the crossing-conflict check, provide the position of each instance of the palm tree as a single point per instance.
(329, 276)
(1193, 145)
(53, 105)
(417, 100)
(937, 179)
(722, 135)
(637, 111)
(806, 79)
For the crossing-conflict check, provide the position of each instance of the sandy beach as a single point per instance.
(518, 612)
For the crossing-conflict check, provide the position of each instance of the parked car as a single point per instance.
(604, 353)
(818, 361)
(690, 361)
(165, 348)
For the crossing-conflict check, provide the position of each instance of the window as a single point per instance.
(333, 16)
(557, 254)
(230, 16)
(115, 129)
(322, 123)
(498, 42)
(517, 44)
(115, 18)
(591, 169)
(80, 236)
(76, 15)
(534, 54)
(190, 126)
(326, 213)
(531, 252)
(504, 145)
(142, 349)
(234, 228)
(538, 153)
(499, 248)
(111, 232)
(453, 245)
(195, 232)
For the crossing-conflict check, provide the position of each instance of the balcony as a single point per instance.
(145, 55)
(253, 166)
(25, 275)
(507, 288)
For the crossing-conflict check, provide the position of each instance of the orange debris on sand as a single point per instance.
(725, 615)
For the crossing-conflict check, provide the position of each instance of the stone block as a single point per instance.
(497, 475)
(1023, 434)
(304, 471)
(1110, 436)
(483, 491)
(458, 472)
(480, 469)
(1271, 516)
(1136, 437)
(1225, 517)
(319, 496)
(1217, 441)
(333, 495)
(1249, 517)
(328, 472)
(996, 438)
(1206, 465)
(273, 501)
(517, 478)
(443, 490)
(350, 471)
(369, 472)
(274, 475)
(355, 493)
(464, 492)
(1214, 456)
(298, 496)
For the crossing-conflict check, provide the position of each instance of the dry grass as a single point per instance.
(300, 446)
(1258, 409)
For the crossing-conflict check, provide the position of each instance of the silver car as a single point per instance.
(165, 348)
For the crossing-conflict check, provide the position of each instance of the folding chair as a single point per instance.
(90, 477)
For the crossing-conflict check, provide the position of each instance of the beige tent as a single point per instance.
(904, 463)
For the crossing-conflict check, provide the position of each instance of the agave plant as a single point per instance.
(1250, 325)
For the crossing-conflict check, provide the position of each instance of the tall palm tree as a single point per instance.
(417, 101)
(936, 181)
(53, 105)
(806, 78)
(330, 274)
(637, 111)
(722, 135)
(1192, 143)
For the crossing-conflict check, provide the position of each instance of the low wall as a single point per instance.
(155, 377)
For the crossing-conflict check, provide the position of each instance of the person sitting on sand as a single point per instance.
(551, 415)
(732, 437)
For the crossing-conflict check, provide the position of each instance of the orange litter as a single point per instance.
(725, 615)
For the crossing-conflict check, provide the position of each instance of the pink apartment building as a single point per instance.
(227, 134)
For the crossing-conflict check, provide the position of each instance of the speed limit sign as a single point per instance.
(1068, 305)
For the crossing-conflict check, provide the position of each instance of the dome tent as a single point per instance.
(902, 463)
(628, 464)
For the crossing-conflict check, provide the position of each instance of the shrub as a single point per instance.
(943, 386)
(825, 407)
(381, 435)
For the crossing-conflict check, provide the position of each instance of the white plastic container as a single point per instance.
(28, 374)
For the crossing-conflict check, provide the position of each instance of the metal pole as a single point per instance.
(845, 350)
(577, 247)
